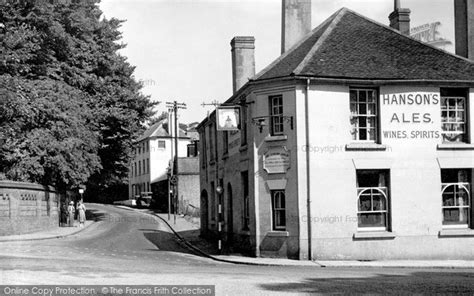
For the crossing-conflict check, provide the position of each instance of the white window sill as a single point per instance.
(278, 233)
(276, 138)
(365, 147)
(374, 235)
(455, 146)
(456, 232)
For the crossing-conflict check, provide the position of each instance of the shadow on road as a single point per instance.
(95, 215)
(166, 241)
(423, 283)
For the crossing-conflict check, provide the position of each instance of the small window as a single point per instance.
(278, 209)
(276, 115)
(364, 115)
(148, 165)
(161, 144)
(136, 172)
(456, 197)
(373, 199)
(139, 167)
(454, 117)
(147, 146)
(246, 201)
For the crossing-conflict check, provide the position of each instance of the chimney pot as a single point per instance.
(243, 60)
(400, 19)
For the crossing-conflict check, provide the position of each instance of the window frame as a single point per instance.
(163, 146)
(276, 118)
(383, 191)
(355, 128)
(467, 186)
(278, 209)
(464, 121)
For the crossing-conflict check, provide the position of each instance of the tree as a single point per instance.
(71, 54)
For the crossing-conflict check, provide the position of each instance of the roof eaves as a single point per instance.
(334, 19)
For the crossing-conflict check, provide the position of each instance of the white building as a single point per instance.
(154, 152)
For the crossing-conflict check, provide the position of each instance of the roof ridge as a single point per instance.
(297, 44)
(335, 20)
(409, 37)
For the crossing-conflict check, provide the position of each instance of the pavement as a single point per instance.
(187, 231)
(55, 233)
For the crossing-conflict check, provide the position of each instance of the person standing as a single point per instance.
(82, 213)
(64, 215)
(71, 210)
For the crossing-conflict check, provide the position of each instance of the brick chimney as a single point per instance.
(400, 19)
(243, 60)
(295, 22)
(464, 28)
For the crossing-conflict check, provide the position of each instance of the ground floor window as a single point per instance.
(456, 197)
(373, 199)
(278, 209)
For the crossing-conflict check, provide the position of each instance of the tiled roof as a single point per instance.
(350, 46)
(159, 129)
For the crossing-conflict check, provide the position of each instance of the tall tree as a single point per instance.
(69, 50)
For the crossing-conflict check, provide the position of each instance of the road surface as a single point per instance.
(132, 248)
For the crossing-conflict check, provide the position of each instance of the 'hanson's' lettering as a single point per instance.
(410, 99)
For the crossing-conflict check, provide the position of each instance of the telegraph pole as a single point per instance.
(175, 106)
(218, 189)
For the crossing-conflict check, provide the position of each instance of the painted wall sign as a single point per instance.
(228, 118)
(411, 115)
(429, 33)
(276, 160)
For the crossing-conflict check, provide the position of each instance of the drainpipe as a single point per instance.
(308, 180)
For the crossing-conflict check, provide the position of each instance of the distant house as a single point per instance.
(152, 163)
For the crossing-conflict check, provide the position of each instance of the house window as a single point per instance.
(454, 115)
(276, 115)
(144, 167)
(456, 197)
(278, 209)
(225, 142)
(148, 165)
(192, 150)
(147, 146)
(364, 115)
(139, 167)
(136, 172)
(203, 149)
(161, 144)
(246, 213)
(212, 139)
(213, 202)
(243, 121)
(373, 199)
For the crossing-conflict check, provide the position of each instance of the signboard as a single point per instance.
(228, 118)
(276, 160)
(429, 33)
(410, 114)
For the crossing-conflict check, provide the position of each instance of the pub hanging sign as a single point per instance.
(228, 118)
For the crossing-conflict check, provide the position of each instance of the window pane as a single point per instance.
(379, 202)
(362, 96)
(365, 202)
(372, 220)
(455, 216)
(362, 109)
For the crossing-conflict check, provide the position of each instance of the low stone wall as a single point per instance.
(27, 207)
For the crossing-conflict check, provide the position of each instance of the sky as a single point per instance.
(181, 48)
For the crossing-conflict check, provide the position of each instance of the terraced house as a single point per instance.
(356, 143)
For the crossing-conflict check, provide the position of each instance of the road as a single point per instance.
(132, 248)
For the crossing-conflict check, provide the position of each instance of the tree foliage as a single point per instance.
(70, 106)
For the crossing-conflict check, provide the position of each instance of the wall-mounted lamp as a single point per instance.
(219, 189)
(261, 121)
